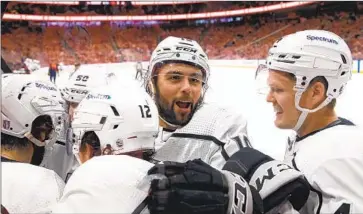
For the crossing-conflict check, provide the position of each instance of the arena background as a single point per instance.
(115, 35)
(86, 32)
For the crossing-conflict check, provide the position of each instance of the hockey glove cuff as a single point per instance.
(275, 181)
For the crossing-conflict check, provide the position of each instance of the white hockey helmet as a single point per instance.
(82, 81)
(309, 54)
(25, 98)
(175, 49)
(124, 118)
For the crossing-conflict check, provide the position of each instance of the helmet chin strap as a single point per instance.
(305, 111)
(34, 140)
(48, 146)
(300, 121)
(173, 126)
(76, 153)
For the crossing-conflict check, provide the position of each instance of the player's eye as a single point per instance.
(174, 77)
(276, 90)
(196, 80)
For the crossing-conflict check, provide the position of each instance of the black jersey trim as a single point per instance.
(339, 121)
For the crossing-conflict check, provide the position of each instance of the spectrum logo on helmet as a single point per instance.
(321, 38)
(98, 96)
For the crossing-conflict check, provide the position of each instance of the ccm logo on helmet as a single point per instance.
(78, 91)
(321, 38)
(42, 86)
(180, 48)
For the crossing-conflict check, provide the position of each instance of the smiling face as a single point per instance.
(282, 97)
(178, 90)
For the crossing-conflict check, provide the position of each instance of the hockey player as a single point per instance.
(139, 71)
(114, 119)
(32, 116)
(307, 71)
(177, 79)
(52, 72)
(80, 83)
(111, 120)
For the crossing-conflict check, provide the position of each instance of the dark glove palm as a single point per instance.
(191, 187)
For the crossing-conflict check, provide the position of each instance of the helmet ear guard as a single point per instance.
(151, 88)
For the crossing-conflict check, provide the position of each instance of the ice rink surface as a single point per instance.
(235, 87)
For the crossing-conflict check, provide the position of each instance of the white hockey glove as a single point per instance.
(275, 181)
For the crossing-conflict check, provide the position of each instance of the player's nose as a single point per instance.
(269, 97)
(186, 86)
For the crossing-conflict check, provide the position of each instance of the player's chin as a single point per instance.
(182, 118)
(281, 124)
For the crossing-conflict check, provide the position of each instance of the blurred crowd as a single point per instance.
(129, 9)
(248, 38)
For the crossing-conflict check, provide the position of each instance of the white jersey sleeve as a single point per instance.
(213, 135)
(106, 184)
(332, 162)
(26, 188)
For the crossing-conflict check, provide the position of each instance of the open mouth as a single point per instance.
(278, 112)
(183, 104)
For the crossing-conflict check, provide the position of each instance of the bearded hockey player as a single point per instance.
(177, 80)
(307, 71)
(80, 83)
(32, 116)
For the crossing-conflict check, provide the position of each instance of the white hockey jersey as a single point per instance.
(332, 162)
(106, 184)
(213, 135)
(26, 188)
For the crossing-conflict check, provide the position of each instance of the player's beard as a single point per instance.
(167, 111)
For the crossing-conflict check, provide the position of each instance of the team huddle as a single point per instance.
(99, 145)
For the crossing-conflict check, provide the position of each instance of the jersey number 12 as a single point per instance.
(145, 111)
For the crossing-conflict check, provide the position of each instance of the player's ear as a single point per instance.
(88, 153)
(317, 93)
